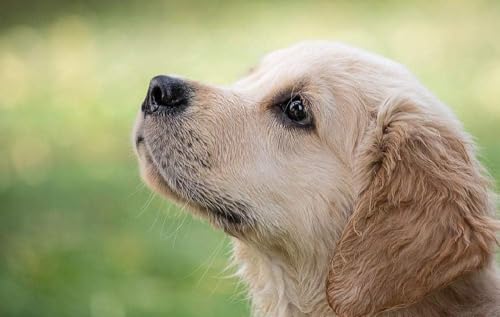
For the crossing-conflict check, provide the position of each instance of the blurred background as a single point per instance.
(79, 234)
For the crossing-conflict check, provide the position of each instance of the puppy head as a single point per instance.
(324, 147)
(269, 157)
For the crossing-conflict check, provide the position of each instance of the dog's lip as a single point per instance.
(139, 139)
(160, 184)
(228, 221)
(163, 185)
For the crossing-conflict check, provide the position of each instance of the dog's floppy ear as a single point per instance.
(421, 218)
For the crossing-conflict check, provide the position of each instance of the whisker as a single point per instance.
(138, 187)
(146, 205)
(210, 261)
(155, 221)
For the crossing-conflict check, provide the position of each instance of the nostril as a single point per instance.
(157, 96)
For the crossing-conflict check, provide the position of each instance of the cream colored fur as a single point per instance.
(381, 210)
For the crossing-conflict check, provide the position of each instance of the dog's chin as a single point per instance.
(230, 222)
(154, 180)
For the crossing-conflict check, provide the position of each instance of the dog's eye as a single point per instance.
(296, 111)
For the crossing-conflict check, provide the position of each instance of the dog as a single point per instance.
(348, 189)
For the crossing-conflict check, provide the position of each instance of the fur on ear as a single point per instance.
(422, 215)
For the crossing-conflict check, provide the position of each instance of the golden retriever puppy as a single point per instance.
(348, 188)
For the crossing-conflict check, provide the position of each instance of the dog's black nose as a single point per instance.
(165, 93)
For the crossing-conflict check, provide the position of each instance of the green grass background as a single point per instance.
(79, 234)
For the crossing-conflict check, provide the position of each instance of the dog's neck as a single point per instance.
(279, 289)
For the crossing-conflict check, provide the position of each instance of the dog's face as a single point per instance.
(269, 155)
(324, 151)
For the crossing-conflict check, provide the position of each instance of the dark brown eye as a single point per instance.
(296, 111)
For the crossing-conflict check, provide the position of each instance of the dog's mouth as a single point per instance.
(223, 212)
(139, 140)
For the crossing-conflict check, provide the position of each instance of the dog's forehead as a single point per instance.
(311, 61)
(303, 53)
(287, 67)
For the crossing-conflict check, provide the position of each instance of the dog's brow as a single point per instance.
(286, 93)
